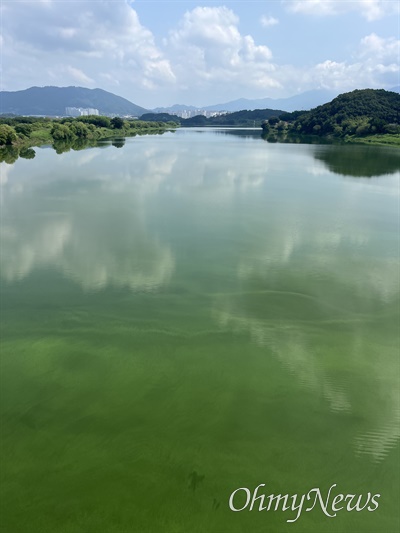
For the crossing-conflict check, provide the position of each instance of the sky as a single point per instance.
(161, 52)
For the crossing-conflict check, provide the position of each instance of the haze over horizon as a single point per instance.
(162, 53)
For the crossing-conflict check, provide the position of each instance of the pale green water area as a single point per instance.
(192, 313)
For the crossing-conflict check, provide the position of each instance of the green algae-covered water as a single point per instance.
(194, 313)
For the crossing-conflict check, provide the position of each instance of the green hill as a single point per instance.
(52, 101)
(360, 112)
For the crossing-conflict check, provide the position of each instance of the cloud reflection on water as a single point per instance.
(317, 239)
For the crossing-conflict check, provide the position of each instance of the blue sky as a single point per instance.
(161, 52)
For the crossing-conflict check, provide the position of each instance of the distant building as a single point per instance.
(89, 111)
(186, 113)
(72, 112)
(80, 111)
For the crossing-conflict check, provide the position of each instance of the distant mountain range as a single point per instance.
(303, 101)
(175, 108)
(299, 102)
(306, 100)
(53, 101)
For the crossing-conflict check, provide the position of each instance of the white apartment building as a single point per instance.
(80, 111)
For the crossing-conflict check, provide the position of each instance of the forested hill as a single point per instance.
(360, 112)
(52, 101)
(239, 118)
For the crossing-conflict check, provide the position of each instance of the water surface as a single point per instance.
(191, 313)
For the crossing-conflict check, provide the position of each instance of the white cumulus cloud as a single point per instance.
(375, 65)
(78, 75)
(66, 45)
(208, 48)
(369, 9)
(374, 46)
(268, 21)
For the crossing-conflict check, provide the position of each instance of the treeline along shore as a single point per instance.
(18, 135)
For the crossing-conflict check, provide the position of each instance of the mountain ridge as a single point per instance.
(298, 102)
(52, 101)
(303, 101)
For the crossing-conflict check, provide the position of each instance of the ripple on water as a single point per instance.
(378, 443)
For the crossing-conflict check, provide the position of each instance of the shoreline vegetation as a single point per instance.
(19, 135)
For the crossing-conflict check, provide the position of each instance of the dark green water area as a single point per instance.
(189, 314)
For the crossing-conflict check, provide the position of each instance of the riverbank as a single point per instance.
(274, 134)
(19, 135)
(386, 139)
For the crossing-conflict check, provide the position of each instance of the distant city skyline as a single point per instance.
(160, 53)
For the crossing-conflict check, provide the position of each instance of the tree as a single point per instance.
(117, 123)
(61, 132)
(273, 121)
(391, 128)
(25, 129)
(7, 135)
(265, 126)
(96, 120)
(79, 129)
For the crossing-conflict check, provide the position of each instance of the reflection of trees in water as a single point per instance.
(9, 154)
(359, 161)
(250, 134)
(77, 144)
(118, 143)
(27, 153)
(274, 136)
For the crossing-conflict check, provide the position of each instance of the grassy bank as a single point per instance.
(285, 134)
(386, 139)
